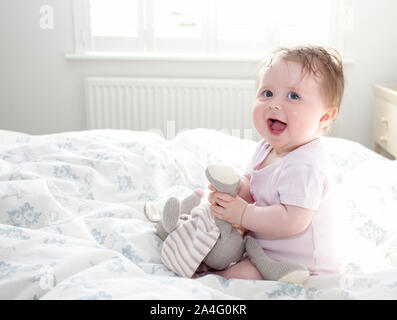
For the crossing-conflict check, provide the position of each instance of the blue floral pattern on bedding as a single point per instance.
(72, 224)
(23, 216)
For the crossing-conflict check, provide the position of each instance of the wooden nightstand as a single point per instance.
(385, 120)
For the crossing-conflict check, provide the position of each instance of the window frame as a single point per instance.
(144, 44)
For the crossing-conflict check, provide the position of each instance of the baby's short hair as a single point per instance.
(320, 61)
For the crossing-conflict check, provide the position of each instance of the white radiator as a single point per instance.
(147, 104)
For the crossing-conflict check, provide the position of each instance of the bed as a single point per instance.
(72, 222)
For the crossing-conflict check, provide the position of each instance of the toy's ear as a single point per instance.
(151, 212)
(328, 116)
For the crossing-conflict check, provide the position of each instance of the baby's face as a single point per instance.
(288, 106)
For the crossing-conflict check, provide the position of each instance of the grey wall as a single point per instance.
(42, 92)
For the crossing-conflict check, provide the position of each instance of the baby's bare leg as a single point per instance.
(241, 270)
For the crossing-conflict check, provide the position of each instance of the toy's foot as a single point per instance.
(170, 215)
(274, 270)
(224, 178)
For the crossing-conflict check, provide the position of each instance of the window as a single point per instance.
(206, 27)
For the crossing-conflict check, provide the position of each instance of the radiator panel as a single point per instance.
(154, 103)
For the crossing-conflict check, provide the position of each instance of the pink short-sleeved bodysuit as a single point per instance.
(301, 178)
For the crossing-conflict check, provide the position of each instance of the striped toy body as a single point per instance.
(187, 246)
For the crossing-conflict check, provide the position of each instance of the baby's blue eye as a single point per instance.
(267, 93)
(293, 96)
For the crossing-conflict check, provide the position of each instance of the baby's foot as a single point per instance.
(170, 215)
(224, 178)
(274, 270)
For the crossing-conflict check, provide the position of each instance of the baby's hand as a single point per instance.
(211, 196)
(228, 208)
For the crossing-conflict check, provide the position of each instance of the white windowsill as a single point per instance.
(170, 57)
(158, 57)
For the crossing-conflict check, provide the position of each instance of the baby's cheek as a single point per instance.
(294, 114)
(301, 125)
(256, 112)
(257, 115)
(295, 120)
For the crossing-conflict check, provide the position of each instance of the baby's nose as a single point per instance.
(276, 107)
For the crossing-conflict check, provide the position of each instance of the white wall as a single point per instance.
(373, 45)
(41, 92)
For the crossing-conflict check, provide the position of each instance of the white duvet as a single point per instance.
(72, 224)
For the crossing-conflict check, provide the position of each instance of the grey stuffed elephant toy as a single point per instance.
(230, 247)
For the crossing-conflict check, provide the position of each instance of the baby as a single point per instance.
(285, 200)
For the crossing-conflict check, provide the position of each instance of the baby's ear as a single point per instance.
(328, 116)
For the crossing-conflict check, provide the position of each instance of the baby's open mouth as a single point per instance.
(276, 127)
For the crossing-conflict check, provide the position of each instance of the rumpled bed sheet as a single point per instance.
(72, 224)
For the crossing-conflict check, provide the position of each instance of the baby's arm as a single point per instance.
(244, 190)
(275, 221)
